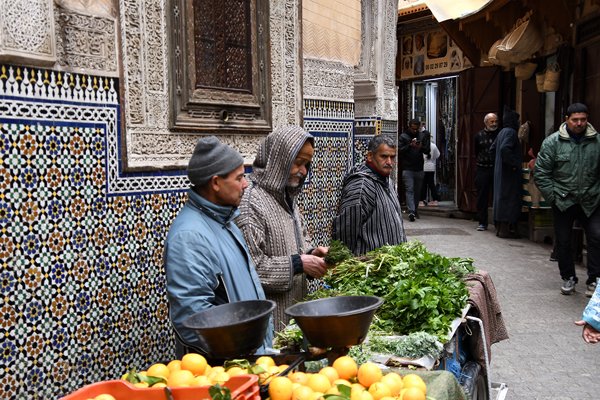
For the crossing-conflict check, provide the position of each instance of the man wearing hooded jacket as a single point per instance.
(567, 172)
(369, 214)
(272, 224)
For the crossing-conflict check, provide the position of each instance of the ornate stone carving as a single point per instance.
(27, 32)
(86, 42)
(328, 80)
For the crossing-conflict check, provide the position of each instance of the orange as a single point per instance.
(159, 370)
(414, 380)
(361, 395)
(280, 388)
(159, 385)
(368, 374)
(202, 380)
(394, 382)
(219, 377)
(318, 383)
(180, 378)
(413, 393)
(265, 360)
(104, 396)
(330, 372)
(174, 365)
(141, 384)
(342, 382)
(195, 363)
(346, 367)
(282, 367)
(302, 393)
(299, 376)
(379, 390)
(235, 371)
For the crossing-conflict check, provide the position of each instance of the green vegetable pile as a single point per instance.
(423, 291)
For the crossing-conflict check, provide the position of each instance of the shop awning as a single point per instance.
(444, 10)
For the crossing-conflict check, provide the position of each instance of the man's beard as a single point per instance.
(293, 183)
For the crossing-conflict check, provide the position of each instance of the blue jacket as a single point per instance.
(207, 263)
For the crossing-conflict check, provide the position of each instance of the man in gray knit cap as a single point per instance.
(206, 258)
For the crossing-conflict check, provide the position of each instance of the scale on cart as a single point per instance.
(237, 330)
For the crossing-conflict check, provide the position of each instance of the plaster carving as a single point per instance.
(99, 8)
(27, 31)
(328, 80)
(86, 43)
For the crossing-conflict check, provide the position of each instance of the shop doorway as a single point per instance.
(433, 102)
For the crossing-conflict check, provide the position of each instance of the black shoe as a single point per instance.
(417, 215)
(411, 217)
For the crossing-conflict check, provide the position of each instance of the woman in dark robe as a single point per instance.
(507, 176)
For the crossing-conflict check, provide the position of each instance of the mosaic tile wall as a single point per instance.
(82, 283)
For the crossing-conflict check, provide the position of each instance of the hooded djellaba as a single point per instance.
(507, 176)
(271, 222)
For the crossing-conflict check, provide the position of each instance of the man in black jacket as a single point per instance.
(412, 144)
(484, 175)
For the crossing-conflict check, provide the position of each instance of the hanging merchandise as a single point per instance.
(539, 81)
(525, 70)
(552, 78)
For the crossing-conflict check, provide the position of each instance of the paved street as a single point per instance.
(545, 357)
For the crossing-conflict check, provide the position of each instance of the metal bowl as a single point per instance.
(232, 329)
(335, 322)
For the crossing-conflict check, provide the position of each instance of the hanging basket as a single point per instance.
(539, 81)
(524, 71)
(552, 78)
(524, 40)
(494, 56)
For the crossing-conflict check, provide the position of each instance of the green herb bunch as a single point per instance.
(423, 291)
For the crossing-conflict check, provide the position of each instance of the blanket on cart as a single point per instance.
(484, 300)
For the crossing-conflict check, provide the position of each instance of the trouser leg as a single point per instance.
(563, 224)
(418, 182)
(409, 190)
(591, 227)
(484, 179)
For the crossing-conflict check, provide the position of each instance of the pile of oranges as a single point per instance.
(347, 379)
(343, 378)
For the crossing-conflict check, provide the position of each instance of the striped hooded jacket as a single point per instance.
(271, 222)
(369, 214)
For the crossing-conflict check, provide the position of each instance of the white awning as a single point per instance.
(443, 10)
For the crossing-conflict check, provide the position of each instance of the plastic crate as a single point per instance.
(243, 387)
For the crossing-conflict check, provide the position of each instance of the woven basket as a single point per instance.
(493, 54)
(552, 78)
(539, 81)
(524, 71)
(524, 40)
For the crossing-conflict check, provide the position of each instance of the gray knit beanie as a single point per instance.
(210, 158)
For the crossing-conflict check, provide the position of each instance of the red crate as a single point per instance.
(243, 387)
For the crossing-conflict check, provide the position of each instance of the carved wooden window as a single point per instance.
(220, 77)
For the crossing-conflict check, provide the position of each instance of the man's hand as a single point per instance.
(589, 334)
(320, 251)
(313, 266)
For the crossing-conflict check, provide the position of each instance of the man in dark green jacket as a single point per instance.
(567, 172)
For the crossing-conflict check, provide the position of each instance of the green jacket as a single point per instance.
(568, 173)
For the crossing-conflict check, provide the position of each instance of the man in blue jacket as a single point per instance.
(206, 258)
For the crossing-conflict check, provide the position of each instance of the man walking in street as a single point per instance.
(369, 215)
(484, 175)
(412, 144)
(567, 172)
(271, 221)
